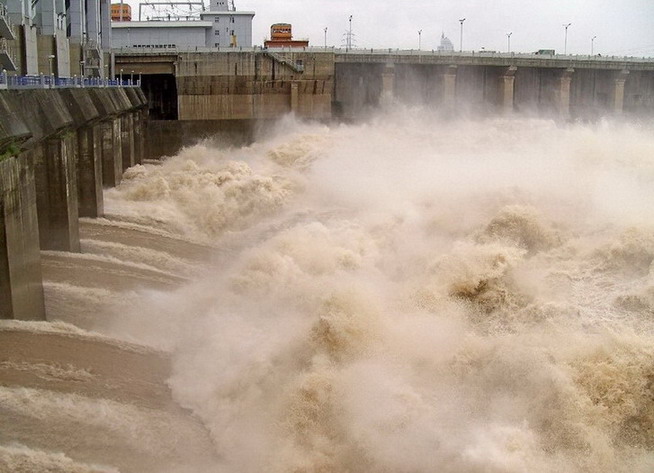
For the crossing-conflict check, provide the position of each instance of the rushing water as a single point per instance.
(405, 295)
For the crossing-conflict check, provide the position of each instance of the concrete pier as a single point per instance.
(388, 85)
(127, 141)
(54, 145)
(112, 153)
(618, 91)
(449, 87)
(21, 290)
(56, 190)
(507, 89)
(89, 171)
(563, 94)
(295, 96)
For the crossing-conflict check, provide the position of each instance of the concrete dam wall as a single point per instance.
(201, 94)
(58, 149)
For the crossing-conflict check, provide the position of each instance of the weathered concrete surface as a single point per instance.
(167, 137)
(51, 162)
(56, 190)
(89, 171)
(21, 292)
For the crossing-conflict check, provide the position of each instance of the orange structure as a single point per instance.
(281, 36)
(115, 12)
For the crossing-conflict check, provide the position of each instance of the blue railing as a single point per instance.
(52, 82)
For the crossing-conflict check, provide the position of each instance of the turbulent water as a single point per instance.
(405, 295)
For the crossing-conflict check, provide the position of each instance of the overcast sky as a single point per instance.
(621, 26)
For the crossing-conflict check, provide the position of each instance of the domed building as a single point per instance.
(446, 44)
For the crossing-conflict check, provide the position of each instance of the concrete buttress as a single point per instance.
(57, 198)
(21, 290)
(89, 171)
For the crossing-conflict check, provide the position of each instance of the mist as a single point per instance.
(406, 294)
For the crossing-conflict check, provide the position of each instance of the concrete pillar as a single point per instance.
(127, 140)
(295, 96)
(57, 200)
(21, 287)
(138, 121)
(112, 156)
(388, 84)
(89, 172)
(618, 91)
(563, 102)
(507, 82)
(449, 87)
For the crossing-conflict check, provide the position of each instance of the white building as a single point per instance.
(220, 27)
(58, 37)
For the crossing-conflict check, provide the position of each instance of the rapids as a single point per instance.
(402, 295)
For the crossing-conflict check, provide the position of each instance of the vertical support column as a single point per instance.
(57, 201)
(618, 91)
(295, 96)
(138, 123)
(507, 82)
(388, 85)
(449, 87)
(112, 156)
(89, 172)
(21, 287)
(563, 102)
(127, 141)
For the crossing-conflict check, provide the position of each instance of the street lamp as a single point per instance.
(349, 36)
(565, 44)
(592, 41)
(461, 40)
(81, 68)
(419, 39)
(325, 38)
(121, 77)
(508, 38)
(131, 78)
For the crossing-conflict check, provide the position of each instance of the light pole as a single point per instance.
(121, 77)
(419, 39)
(565, 44)
(81, 68)
(349, 35)
(461, 39)
(325, 38)
(508, 39)
(592, 41)
(131, 78)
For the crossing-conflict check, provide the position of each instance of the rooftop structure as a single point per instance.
(281, 36)
(121, 12)
(220, 27)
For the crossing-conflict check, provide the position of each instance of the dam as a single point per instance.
(191, 93)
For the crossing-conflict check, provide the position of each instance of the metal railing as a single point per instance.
(383, 51)
(52, 82)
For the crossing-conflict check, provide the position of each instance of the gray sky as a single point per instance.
(624, 27)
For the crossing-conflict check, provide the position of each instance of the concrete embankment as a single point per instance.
(58, 149)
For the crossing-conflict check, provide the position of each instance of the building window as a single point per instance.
(232, 32)
(232, 18)
(217, 19)
(217, 33)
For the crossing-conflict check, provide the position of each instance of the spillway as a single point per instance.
(402, 295)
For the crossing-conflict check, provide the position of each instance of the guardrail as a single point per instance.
(52, 82)
(384, 51)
